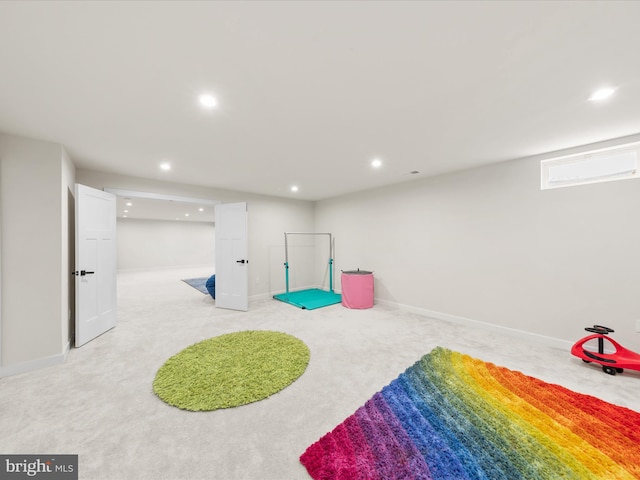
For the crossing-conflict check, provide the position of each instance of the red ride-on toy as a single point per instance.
(612, 363)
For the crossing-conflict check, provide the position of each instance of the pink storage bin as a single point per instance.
(357, 289)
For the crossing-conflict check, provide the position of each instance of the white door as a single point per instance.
(96, 300)
(232, 264)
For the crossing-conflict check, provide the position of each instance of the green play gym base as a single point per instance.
(309, 299)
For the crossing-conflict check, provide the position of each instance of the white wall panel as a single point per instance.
(148, 244)
(34, 181)
(488, 245)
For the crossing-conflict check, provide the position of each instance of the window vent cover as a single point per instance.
(616, 163)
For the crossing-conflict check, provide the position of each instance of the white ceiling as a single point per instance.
(309, 92)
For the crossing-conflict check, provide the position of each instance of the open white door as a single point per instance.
(96, 299)
(232, 264)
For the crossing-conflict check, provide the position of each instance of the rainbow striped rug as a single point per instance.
(450, 416)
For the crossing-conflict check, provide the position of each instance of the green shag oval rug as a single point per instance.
(231, 370)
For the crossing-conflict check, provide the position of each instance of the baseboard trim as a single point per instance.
(35, 364)
(538, 339)
(261, 297)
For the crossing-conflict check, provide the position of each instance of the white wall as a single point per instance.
(488, 245)
(269, 218)
(147, 244)
(484, 244)
(35, 178)
(67, 247)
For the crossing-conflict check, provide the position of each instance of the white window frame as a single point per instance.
(546, 165)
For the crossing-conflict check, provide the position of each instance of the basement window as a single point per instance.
(604, 165)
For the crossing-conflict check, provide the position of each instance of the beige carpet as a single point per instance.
(100, 403)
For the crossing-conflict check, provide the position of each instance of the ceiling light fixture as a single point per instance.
(294, 188)
(208, 101)
(376, 163)
(201, 209)
(129, 204)
(601, 94)
(166, 166)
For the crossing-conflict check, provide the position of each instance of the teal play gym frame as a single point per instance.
(309, 298)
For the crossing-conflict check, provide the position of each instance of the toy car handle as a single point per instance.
(600, 329)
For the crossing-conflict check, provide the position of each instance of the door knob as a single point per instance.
(82, 273)
(242, 261)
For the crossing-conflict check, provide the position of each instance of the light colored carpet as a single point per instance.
(100, 403)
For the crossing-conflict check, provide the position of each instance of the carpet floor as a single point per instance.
(450, 416)
(100, 403)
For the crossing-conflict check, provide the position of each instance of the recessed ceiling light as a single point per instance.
(208, 101)
(294, 188)
(376, 163)
(186, 214)
(129, 204)
(166, 166)
(126, 211)
(124, 216)
(601, 94)
(201, 209)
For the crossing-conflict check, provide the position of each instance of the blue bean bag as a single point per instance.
(211, 286)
